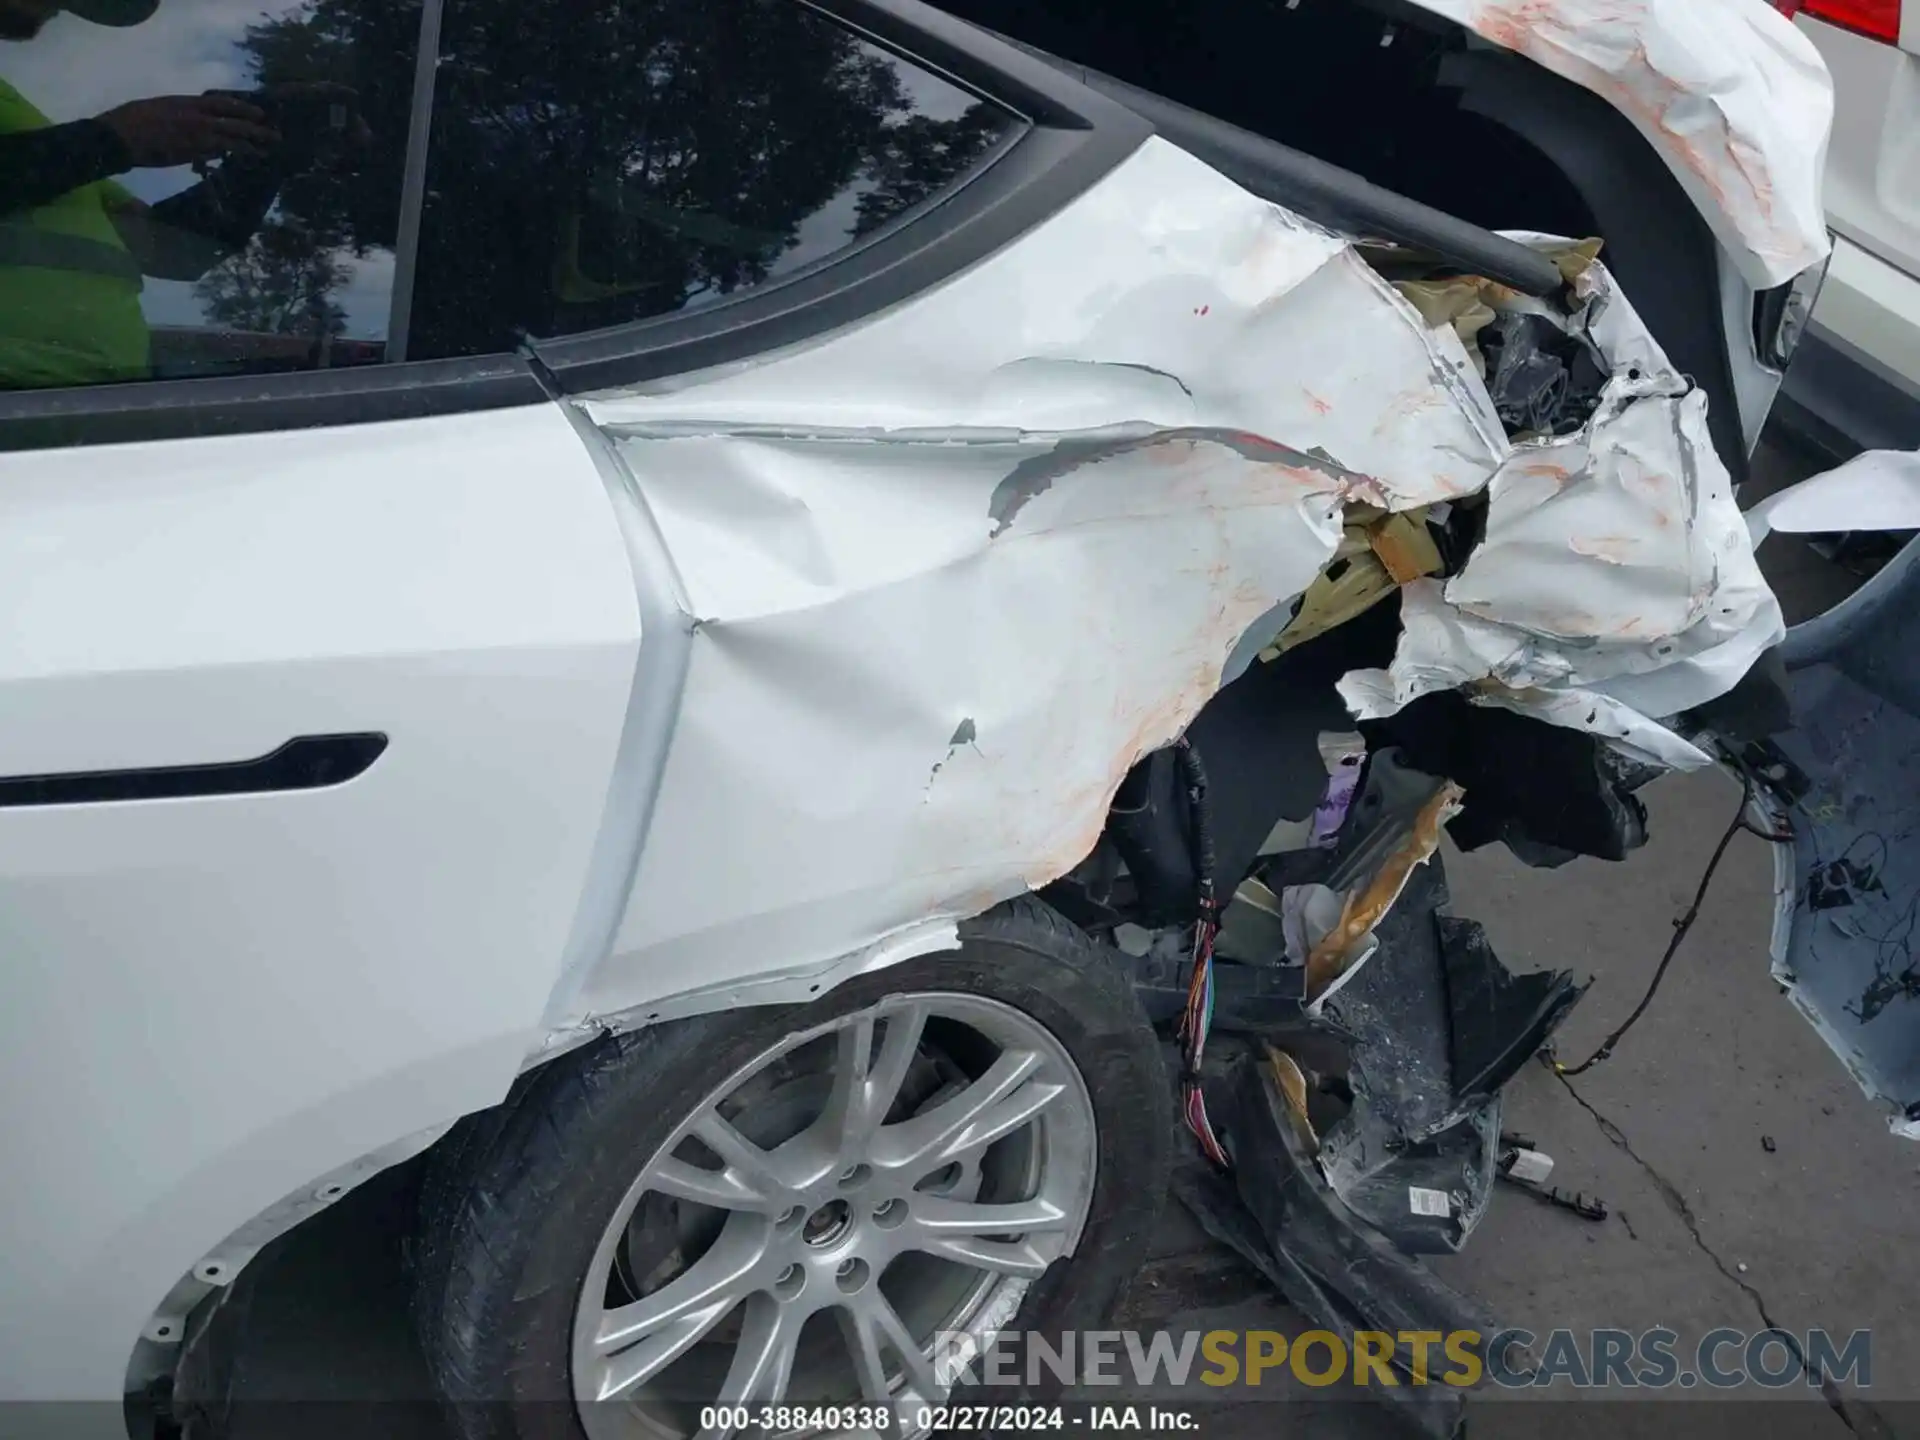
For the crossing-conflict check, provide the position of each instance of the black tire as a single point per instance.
(517, 1199)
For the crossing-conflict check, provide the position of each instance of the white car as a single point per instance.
(572, 574)
(1856, 382)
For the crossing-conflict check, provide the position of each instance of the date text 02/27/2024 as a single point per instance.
(985, 1419)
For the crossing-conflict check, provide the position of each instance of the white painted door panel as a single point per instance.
(212, 1000)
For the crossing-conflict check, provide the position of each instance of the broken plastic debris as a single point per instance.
(1879, 490)
(1331, 1264)
(1338, 950)
(1344, 754)
(1543, 380)
(1309, 913)
(1378, 551)
(1497, 1020)
(1530, 1167)
(1292, 1083)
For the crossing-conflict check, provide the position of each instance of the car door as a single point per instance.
(305, 738)
(312, 686)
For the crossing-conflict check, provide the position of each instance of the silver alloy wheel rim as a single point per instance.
(984, 1182)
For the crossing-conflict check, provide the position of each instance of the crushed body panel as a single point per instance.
(955, 569)
(1616, 583)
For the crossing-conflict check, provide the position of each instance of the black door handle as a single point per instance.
(307, 762)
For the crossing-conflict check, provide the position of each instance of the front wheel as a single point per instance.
(684, 1228)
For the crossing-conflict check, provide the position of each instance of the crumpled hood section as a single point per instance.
(1735, 99)
(956, 568)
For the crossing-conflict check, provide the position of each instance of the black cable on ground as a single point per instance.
(1680, 927)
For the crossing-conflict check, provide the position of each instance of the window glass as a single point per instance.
(198, 187)
(595, 164)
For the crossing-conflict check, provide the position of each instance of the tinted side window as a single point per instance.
(198, 187)
(597, 164)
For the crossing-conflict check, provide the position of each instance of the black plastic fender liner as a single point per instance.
(1658, 246)
(1276, 1212)
(1496, 1020)
(1548, 792)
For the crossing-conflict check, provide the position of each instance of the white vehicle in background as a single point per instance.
(627, 597)
(1855, 384)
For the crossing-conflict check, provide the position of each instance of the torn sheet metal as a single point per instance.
(955, 569)
(1040, 505)
(1617, 581)
(1443, 648)
(1735, 100)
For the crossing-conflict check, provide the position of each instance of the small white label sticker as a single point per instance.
(1429, 1202)
(1531, 1166)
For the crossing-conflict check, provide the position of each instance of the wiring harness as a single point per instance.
(1197, 1018)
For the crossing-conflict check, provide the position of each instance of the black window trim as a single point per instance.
(1074, 137)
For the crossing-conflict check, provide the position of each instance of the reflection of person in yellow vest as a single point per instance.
(74, 244)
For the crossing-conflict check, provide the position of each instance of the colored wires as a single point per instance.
(1197, 1018)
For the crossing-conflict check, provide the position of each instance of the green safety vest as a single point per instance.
(69, 289)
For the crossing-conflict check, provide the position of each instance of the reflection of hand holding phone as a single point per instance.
(184, 129)
(314, 121)
(245, 145)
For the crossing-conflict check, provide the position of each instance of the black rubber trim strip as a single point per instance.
(240, 404)
(308, 762)
(1337, 198)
